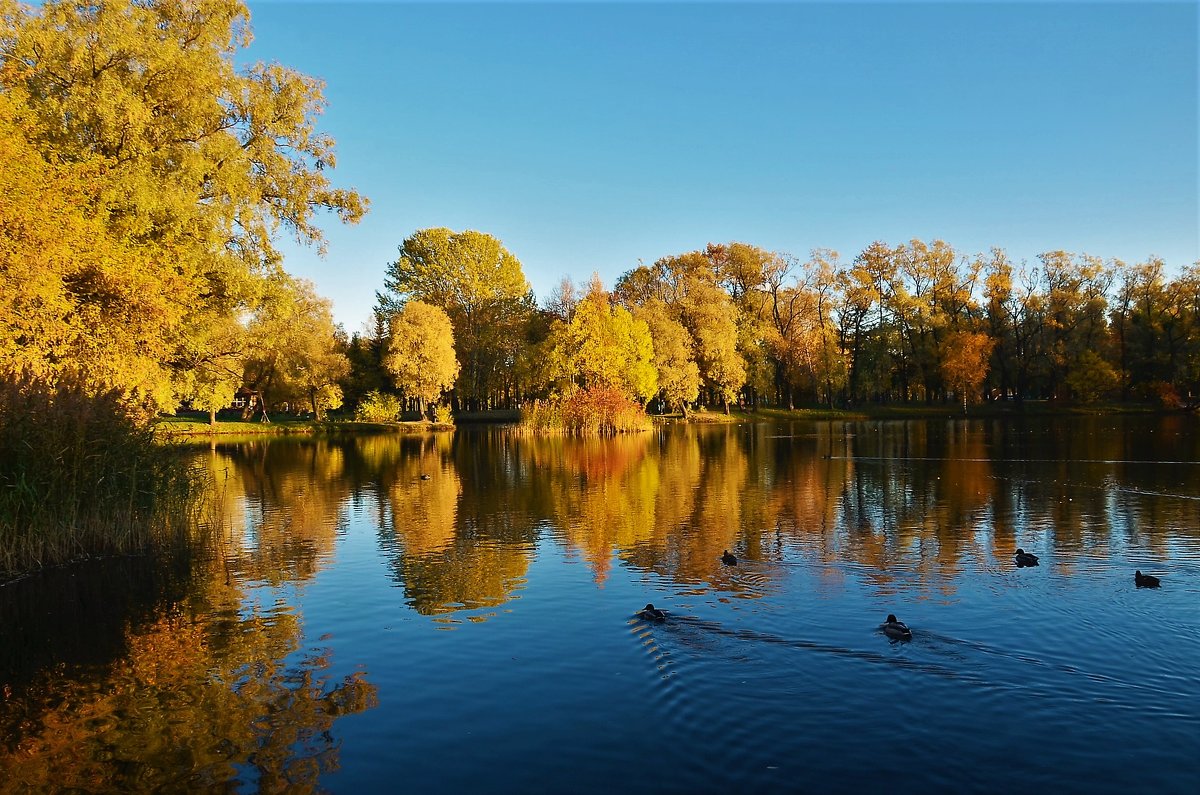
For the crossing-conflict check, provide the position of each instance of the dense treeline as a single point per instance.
(914, 322)
(146, 176)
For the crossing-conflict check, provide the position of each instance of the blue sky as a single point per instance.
(590, 136)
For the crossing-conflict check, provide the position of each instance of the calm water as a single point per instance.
(455, 614)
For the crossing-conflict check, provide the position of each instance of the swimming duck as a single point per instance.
(1024, 558)
(651, 613)
(728, 558)
(1145, 580)
(424, 476)
(896, 629)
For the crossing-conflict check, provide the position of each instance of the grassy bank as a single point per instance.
(188, 427)
(84, 476)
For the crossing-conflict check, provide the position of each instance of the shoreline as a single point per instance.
(184, 427)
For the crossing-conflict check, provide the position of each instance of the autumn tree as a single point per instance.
(821, 272)
(688, 285)
(963, 363)
(604, 345)
(865, 290)
(420, 352)
(298, 352)
(481, 288)
(1076, 305)
(563, 300)
(184, 161)
(678, 375)
(746, 272)
(1183, 298)
(217, 366)
(76, 299)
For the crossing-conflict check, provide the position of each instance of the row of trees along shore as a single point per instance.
(147, 176)
(915, 322)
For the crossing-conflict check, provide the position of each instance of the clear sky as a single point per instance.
(590, 136)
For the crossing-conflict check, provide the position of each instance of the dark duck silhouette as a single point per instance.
(651, 613)
(894, 628)
(1145, 580)
(424, 476)
(1024, 558)
(728, 558)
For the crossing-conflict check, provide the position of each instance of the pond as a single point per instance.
(457, 613)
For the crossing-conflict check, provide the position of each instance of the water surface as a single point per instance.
(455, 613)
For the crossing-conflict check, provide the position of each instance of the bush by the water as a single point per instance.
(82, 475)
(378, 407)
(596, 411)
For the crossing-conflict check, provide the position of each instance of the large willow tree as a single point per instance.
(131, 121)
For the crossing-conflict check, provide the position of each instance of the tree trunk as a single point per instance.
(212, 418)
(316, 405)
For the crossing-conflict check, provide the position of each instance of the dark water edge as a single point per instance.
(456, 614)
(79, 614)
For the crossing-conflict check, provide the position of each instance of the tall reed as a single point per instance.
(82, 475)
(595, 411)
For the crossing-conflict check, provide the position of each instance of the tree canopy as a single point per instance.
(167, 170)
(420, 351)
(481, 288)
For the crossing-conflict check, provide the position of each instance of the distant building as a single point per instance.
(244, 398)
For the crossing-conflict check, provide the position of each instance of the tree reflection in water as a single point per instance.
(208, 691)
(114, 677)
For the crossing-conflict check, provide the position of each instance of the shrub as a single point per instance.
(378, 407)
(1091, 378)
(1166, 395)
(442, 414)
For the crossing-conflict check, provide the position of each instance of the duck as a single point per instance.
(895, 628)
(1024, 558)
(728, 558)
(1145, 580)
(651, 613)
(424, 476)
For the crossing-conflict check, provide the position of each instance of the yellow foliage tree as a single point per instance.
(167, 171)
(604, 345)
(678, 375)
(420, 352)
(481, 287)
(297, 354)
(964, 363)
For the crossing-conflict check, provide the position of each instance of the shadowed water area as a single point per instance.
(457, 614)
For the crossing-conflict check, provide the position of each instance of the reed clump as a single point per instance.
(81, 476)
(595, 411)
